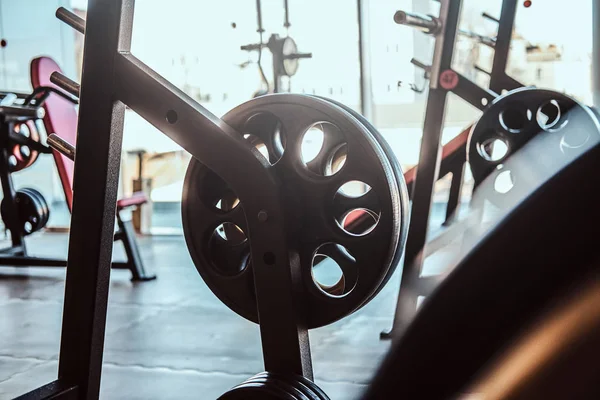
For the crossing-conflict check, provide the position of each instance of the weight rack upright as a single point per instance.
(443, 79)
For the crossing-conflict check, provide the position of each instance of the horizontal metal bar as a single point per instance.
(27, 261)
(71, 19)
(486, 40)
(425, 23)
(488, 16)
(190, 125)
(51, 391)
(472, 93)
(478, 68)
(21, 113)
(14, 250)
(68, 85)
(62, 146)
(421, 65)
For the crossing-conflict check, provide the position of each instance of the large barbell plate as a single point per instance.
(23, 156)
(512, 120)
(401, 183)
(350, 172)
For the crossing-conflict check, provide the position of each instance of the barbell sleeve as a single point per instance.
(68, 85)
(71, 19)
(62, 146)
(425, 23)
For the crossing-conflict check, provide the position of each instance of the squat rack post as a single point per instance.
(107, 30)
(429, 164)
(443, 80)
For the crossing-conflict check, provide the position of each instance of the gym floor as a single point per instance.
(170, 338)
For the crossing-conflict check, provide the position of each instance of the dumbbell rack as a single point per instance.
(431, 167)
(113, 78)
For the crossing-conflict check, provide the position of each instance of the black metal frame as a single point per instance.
(16, 255)
(113, 78)
(428, 171)
(275, 46)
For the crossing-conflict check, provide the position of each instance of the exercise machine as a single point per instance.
(24, 120)
(283, 49)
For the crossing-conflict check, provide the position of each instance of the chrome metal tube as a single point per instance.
(425, 23)
(62, 146)
(68, 85)
(71, 19)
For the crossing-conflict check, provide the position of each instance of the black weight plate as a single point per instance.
(283, 384)
(312, 389)
(30, 205)
(516, 117)
(296, 381)
(308, 387)
(402, 189)
(256, 391)
(31, 210)
(308, 199)
(43, 205)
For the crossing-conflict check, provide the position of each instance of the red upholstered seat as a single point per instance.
(61, 119)
(137, 199)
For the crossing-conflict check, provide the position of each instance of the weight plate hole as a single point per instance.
(228, 249)
(227, 203)
(337, 160)
(258, 144)
(493, 149)
(216, 194)
(25, 151)
(12, 161)
(172, 116)
(312, 143)
(354, 189)
(264, 131)
(359, 222)
(356, 208)
(323, 149)
(548, 115)
(231, 233)
(574, 139)
(504, 182)
(28, 227)
(514, 120)
(328, 265)
(23, 129)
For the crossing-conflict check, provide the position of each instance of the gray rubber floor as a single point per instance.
(170, 338)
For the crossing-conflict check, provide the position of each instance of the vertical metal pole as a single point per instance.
(428, 170)
(422, 48)
(456, 184)
(596, 52)
(366, 90)
(100, 129)
(502, 47)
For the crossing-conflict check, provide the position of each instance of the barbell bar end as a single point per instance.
(68, 85)
(425, 23)
(62, 146)
(71, 19)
